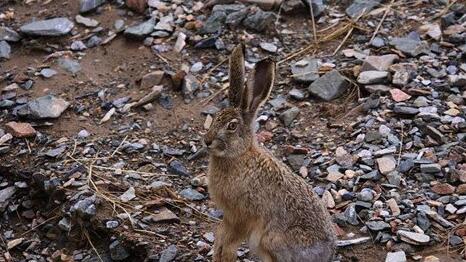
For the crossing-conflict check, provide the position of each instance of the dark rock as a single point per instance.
(191, 194)
(93, 41)
(43, 107)
(8, 34)
(329, 86)
(141, 30)
(118, 251)
(410, 46)
(5, 50)
(358, 7)
(168, 254)
(49, 27)
(235, 19)
(289, 115)
(177, 168)
(214, 23)
(377, 225)
(78, 46)
(260, 20)
(89, 5)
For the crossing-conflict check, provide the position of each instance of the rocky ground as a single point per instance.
(104, 103)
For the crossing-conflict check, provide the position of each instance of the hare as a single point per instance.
(262, 200)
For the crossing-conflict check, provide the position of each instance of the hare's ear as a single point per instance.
(236, 75)
(259, 87)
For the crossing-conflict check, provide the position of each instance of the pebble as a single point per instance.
(398, 256)
(269, 47)
(43, 107)
(20, 130)
(386, 164)
(329, 86)
(5, 50)
(191, 194)
(373, 77)
(413, 238)
(50, 27)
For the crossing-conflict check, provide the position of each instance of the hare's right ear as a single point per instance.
(236, 75)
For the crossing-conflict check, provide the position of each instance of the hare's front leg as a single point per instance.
(227, 239)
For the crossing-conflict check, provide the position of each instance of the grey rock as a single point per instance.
(422, 220)
(55, 152)
(358, 7)
(165, 24)
(128, 195)
(112, 224)
(318, 6)
(70, 65)
(378, 42)
(269, 47)
(405, 110)
(306, 70)
(382, 89)
(197, 67)
(403, 73)
(177, 168)
(47, 72)
(191, 194)
(421, 101)
(413, 238)
(93, 41)
(378, 63)
(373, 77)
(431, 168)
(89, 22)
(141, 30)
(260, 20)
(228, 9)
(7, 193)
(78, 45)
(83, 134)
(366, 195)
(119, 25)
(85, 208)
(297, 94)
(8, 34)
(351, 215)
(410, 46)
(5, 50)
(50, 27)
(118, 251)
(457, 80)
(398, 256)
(89, 5)
(289, 116)
(214, 23)
(377, 225)
(394, 178)
(43, 107)
(235, 19)
(296, 161)
(329, 86)
(168, 254)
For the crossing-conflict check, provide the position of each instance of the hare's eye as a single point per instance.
(232, 125)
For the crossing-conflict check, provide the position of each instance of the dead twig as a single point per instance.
(388, 9)
(92, 245)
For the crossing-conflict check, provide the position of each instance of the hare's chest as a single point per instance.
(229, 192)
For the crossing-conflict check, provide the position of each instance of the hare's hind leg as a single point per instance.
(227, 239)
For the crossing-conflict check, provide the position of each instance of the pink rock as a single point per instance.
(398, 95)
(20, 129)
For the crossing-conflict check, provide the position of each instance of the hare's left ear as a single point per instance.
(259, 86)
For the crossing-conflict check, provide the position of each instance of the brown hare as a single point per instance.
(262, 200)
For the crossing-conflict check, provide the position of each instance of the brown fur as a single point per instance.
(262, 200)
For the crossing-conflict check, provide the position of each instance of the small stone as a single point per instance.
(378, 63)
(269, 47)
(306, 70)
(289, 115)
(165, 215)
(47, 72)
(373, 77)
(6, 194)
(83, 134)
(197, 67)
(20, 129)
(391, 203)
(78, 46)
(329, 86)
(118, 251)
(431, 259)
(297, 94)
(89, 5)
(328, 200)
(180, 42)
(359, 7)
(431, 168)
(378, 42)
(152, 79)
(129, 195)
(451, 209)
(176, 167)
(413, 238)
(43, 107)
(141, 30)
(398, 95)
(410, 46)
(191, 194)
(14, 243)
(214, 23)
(377, 225)
(8, 34)
(443, 189)
(398, 256)
(70, 65)
(5, 50)
(432, 30)
(386, 164)
(49, 27)
(260, 20)
(168, 254)
(89, 22)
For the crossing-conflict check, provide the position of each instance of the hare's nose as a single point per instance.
(208, 142)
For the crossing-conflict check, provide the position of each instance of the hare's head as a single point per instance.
(231, 132)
